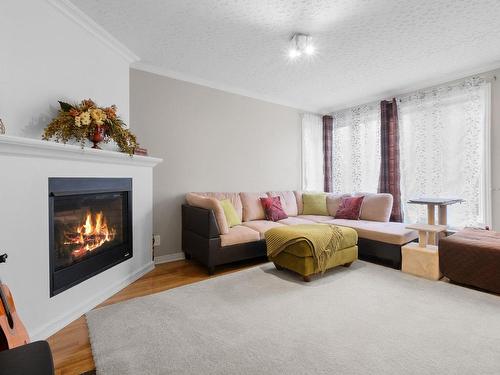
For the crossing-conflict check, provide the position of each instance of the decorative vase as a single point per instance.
(97, 137)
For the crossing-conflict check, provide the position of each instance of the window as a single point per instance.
(312, 152)
(444, 138)
(356, 149)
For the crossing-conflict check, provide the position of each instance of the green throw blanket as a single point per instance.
(323, 240)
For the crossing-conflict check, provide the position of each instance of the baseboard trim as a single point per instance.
(57, 324)
(169, 258)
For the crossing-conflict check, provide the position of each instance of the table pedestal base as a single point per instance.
(421, 261)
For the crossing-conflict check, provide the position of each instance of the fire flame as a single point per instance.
(92, 234)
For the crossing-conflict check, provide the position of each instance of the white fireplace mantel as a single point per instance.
(10, 145)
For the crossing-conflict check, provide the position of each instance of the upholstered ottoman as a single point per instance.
(298, 257)
(472, 257)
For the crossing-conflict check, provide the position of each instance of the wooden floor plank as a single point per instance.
(71, 346)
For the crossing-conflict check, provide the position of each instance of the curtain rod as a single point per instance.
(476, 79)
(487, 77)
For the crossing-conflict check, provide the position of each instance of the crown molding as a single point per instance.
(150, 68)
(76, 15)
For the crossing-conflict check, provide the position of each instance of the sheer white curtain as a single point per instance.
(356, 149)
(312, 152)
(444, 138)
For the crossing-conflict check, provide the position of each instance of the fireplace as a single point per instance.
(90, 228)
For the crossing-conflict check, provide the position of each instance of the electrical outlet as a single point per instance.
(156, 240)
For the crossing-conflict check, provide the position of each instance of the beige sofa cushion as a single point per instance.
(393, 233)
(333, 202)
(315, 218)
(300, 203)
(233, 197)
(376, 207)
(295, 220)
(252, 208)
(288, 201)
(210, 203)
(239, 234)
(261, 226)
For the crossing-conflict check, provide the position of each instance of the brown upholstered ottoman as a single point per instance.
(472, 257)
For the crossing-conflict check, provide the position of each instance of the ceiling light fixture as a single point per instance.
(300, 44)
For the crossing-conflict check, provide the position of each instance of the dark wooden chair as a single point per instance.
(30, 359)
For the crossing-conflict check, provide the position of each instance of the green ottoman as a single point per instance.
(298, 257)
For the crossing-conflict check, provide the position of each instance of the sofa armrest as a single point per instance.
(200, 221)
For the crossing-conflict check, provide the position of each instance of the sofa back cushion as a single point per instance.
(288, 201)
(210, 203)
(376, 207)
(300, 203)
(252, 208)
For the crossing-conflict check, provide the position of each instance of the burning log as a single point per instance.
(90, 235)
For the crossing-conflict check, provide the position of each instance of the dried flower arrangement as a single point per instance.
(88, 121)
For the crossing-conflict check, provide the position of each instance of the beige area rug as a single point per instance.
(366, 319)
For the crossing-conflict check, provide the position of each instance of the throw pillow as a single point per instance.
(232, 217)
(349, 208)
(314, 204)
(273, 209)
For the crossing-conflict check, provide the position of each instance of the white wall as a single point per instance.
(210, 140)
(45, 56)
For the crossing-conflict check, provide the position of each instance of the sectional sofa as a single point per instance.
(206, 236)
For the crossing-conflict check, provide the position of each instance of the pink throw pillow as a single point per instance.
(349, 208)
(273, 209)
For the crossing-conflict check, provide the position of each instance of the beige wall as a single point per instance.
(215, 141)
(210, 140)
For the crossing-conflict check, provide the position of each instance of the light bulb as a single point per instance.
(310, 50)
(294, 53)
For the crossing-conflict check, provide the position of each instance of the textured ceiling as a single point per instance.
(366, 49)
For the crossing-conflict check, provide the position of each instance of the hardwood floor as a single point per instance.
(71, 347)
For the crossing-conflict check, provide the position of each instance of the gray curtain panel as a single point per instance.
(327, 152)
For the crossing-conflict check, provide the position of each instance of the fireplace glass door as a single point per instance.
(87, 224)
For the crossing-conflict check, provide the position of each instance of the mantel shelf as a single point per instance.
(28, 147)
